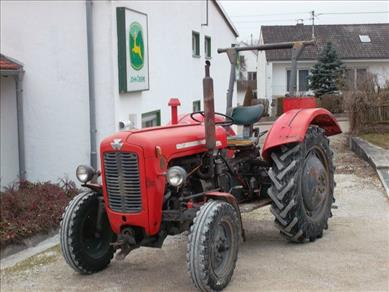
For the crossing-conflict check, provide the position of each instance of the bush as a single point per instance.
(368, 107)
(332, 102)
(31, 208)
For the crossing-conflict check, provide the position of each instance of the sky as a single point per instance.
(248, 16)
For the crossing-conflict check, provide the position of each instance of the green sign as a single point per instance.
(132, 50)
(137, 48)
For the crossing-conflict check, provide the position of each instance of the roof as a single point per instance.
(7, 63)
(226, 18)
(344, 37)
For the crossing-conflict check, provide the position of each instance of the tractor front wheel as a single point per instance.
(213, 244)
(302, 188)
(86, 249)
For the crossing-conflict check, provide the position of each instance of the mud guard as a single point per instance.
(292, 126)
(227, 197)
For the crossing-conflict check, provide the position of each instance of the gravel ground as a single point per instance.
(352, 255)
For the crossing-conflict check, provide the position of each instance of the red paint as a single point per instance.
(153, 181)
(292, 126)
(291, 103)
(174, 103)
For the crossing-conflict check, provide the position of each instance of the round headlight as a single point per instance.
(176, 176)
(85, 173)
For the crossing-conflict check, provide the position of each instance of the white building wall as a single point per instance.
(380, 68)
(50, 39)
(172, 69)
(9, 160)
(251, 66)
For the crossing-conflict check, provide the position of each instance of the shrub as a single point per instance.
(368, 107)
(332, 102)
(30, 208)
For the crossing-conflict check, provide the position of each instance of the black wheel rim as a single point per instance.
(315, 183)
(222, 249)
(95, 243)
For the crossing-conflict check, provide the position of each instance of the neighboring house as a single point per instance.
(247, 72)
(363, 48)
(50, 39)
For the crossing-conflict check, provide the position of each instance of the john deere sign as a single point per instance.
(132, 50)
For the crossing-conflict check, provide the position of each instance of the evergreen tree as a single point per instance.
(326, 73)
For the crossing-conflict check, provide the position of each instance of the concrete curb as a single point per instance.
(376, 156)
(12, 260)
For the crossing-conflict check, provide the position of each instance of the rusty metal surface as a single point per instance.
(265, 47)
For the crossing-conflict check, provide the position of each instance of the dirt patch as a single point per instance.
(347, 162)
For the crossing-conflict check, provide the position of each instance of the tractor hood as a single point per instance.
(173, 140)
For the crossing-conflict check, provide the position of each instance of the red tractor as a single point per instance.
(196, 175)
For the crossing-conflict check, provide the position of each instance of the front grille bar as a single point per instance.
(122, 181)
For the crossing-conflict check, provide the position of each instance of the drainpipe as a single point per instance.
(91, 81)
(19, 109)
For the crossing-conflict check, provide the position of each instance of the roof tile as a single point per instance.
(344, 37)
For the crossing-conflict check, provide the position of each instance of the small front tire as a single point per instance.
(84, 248)
(213, 245)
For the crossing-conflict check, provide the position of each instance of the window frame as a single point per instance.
(207, 52)
(157, 113)
(196, 35)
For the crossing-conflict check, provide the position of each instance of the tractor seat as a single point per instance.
(247, 115)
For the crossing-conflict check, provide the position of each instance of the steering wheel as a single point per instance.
(228, 121)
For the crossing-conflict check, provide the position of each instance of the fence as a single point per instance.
(377, 114)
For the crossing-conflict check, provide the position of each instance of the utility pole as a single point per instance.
(313, 24)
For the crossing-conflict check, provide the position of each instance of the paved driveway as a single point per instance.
(352, 255)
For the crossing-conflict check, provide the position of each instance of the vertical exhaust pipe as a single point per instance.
(209, 109)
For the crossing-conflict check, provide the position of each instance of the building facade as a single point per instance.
(363, 49)
(247, 76)
(50, 39)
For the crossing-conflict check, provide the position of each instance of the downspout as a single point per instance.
(91, 83)
(19, 109)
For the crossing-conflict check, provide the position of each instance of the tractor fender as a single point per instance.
(291, 127)
(227, 197)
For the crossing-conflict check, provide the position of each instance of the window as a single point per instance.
(151, 119)
(195, 44)
(196, 106)
(207, 47)
(288, 80)
(361, 78)
(303, 80)
(364, 38)
(252, 75)
(350, 79)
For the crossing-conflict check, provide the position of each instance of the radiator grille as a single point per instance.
(122, 182)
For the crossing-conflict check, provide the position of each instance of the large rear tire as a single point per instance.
(302, 188)
(84, 248)
(213, 245)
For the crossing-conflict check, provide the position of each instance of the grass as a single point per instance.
(44, 258)
(381, 140)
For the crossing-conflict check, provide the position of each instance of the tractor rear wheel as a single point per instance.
(86, 249)
(302, 187)
(213, 245)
